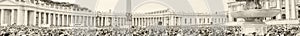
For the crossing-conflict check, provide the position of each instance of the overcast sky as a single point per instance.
(91, 4)
(214, 5)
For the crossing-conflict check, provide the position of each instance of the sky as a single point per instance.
(91, 4)
(105, 5)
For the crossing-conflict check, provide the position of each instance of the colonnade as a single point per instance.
(103, 21)
(176, 21)
(48, 18)
(148, 21)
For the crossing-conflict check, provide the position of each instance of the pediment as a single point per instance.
(7, 2)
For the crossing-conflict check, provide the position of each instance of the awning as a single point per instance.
(256, 13)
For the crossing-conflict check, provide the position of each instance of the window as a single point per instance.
(190, 20)
(234, 19)
(208, 20)
(283, 8)
(204, 20)
(274, 17)
(200, 20)
(185, 21)
(283, 16)
(299, 13)
(196, 20)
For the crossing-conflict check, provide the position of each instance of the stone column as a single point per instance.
(205, 20)
(2, 16)
(198, 20)
(67, 20)
(20, 16)
(100, 21)
(63, 20)
(143, 21)
(150, 21)
(13, 16)
(94, 21)
(49, 18)
(59, 20)
(139, 21)
(75, 19)
(97, 21)
(86, 20)
(278, 6)
(89, 21)
(54, 19)
(72, 20)
(119, 21)
(26, 17)
(34, 18)
(44, 18)
(159, 20)
(146, 21)
(165, 22)
(82, 20)
(39, 18)
(134, 21)
(287, 9)
(103, 21)
(156, 21)
(293, 9)
(267, 4)
(179, 21)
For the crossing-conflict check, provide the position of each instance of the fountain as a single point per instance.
(253, 20)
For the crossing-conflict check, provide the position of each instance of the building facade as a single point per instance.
(44, 13)
(167, 18)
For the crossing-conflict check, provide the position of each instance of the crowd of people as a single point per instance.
(32, 31)
(272, 30)
(283, 30)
